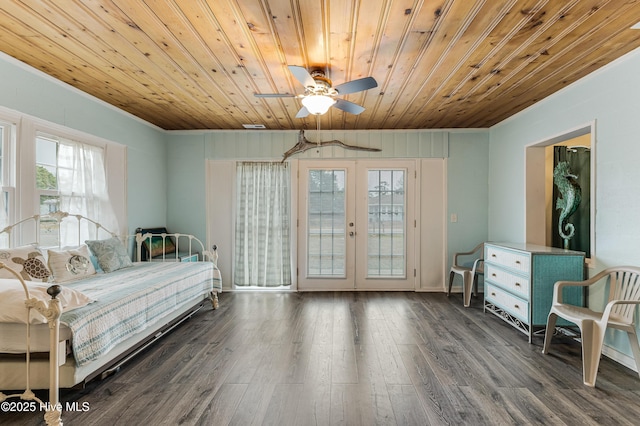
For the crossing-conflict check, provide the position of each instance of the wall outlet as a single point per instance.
(454, 217)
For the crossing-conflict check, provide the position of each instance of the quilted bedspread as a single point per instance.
(130, 300)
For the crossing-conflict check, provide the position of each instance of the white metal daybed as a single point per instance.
(90, 326)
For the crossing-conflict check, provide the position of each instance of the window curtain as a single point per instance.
(4, 163)
(82, 186)
(262, 244)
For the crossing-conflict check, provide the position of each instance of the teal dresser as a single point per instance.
(519, 279)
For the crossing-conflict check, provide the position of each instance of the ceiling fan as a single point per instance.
(319, 95)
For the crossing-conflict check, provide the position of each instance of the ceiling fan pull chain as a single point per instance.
(318, 131)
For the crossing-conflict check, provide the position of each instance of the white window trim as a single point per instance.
(9, 167)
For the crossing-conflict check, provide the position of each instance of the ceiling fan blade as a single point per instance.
(356, 85)
(274, 95)
(302, 75)
(302, 113)
(349, 107)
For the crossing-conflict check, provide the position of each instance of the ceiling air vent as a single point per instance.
(253, 126)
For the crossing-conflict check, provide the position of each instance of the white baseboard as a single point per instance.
(619, 357)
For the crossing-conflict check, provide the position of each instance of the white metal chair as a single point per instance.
(624, 297)
(469, 271)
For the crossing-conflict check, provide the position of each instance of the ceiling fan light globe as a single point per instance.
(318, 104)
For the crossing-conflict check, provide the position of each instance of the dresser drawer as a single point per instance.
(509, 259)
(513, 305)
(514, 283)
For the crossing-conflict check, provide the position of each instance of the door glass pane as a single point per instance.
(326, 224)
(386, 236)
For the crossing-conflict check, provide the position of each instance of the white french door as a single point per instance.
(357, 225)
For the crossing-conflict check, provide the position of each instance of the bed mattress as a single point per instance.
(13, 337)
(128, 301)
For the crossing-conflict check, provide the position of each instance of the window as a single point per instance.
(70, 177)
(45, 167)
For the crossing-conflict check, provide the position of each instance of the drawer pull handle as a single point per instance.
(493, 294)
(517, 262)
(516, 306)
(493, 255)
(493, 275)
(517, 284)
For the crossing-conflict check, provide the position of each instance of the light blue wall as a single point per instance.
(186, 165)
(29, 91)
(611, 97)
(467, 190)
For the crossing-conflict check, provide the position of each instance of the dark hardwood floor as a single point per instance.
(364, 358)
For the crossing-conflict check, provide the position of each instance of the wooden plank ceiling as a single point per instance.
(196, 64)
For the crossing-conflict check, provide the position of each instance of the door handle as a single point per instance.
(351, 234)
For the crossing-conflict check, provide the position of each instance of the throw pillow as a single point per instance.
(13, 298)
(71, 264)
(27, 261)
(111, 254)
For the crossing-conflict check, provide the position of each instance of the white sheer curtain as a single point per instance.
(262, 245)
(82, 186)
(4, 219)
(4, 164)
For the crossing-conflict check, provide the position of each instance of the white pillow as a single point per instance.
(26, 261)
(12, 300)
(71, 264)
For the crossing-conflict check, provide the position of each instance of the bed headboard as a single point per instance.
(45, 230)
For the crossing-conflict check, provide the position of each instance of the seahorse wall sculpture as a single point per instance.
(571, 198)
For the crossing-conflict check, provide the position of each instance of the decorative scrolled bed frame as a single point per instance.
(52, 309)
